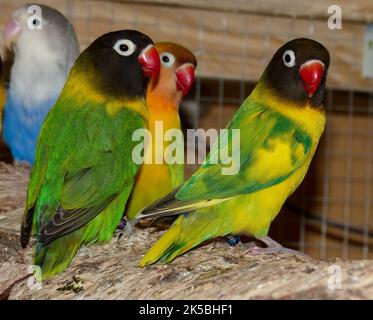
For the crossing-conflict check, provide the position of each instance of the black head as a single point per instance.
(298, 71)
(122, 62)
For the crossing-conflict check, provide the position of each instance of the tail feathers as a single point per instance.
(187, 232)
(164, 247)
(55, 257)
(170, 245)
(169, 206)
(26, 226)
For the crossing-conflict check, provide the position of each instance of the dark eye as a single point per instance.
(167, 59)
(289, 58)
(125, 47)
(35, 22)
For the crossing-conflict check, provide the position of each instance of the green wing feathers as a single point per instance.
(266, 137)
(83, 166)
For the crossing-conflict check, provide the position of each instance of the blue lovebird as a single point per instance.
(45, 48)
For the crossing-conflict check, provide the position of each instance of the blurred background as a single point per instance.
(330, 215)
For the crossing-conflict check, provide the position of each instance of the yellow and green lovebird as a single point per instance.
(163, 98)
(2, 93)
(84, 172)
(280, 125)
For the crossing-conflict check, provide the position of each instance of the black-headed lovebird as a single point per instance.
(84, 171)
(280, 125)
(163, 98)
(45, 48)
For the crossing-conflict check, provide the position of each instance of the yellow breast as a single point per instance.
(154, 180)
(253, 213)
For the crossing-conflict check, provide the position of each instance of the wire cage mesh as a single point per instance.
(330, 215)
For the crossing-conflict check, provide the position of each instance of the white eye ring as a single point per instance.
(167, 59)
(289, 58)
(125, 47)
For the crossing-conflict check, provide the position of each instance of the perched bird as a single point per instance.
(163, 99)
(84, 172)
(2, 92)
(280, 126)
(45, 48)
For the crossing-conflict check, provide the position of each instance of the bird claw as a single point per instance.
(122, 224)
(233, 240)
(124, 228)
(119, 236)
(273, 247)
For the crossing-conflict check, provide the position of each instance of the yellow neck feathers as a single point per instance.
(79, 85)
(310, 118)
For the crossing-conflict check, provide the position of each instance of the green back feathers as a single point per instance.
(266, 137)
(89, 159)
(84, 164)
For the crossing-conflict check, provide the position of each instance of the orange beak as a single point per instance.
(150, 62)
(185, 78)
(311, 73)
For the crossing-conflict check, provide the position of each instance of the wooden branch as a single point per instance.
(212, 271)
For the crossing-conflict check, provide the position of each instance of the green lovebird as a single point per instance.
(84, 171)
(280, 125)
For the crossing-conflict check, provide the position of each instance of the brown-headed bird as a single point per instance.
(163, 98)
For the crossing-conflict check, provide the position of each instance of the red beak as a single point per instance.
(150, 62)
(311, 73)
(185, 78)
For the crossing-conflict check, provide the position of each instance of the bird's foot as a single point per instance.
(122, 224)
(233, 240)
(124, 228)
(273, 247)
